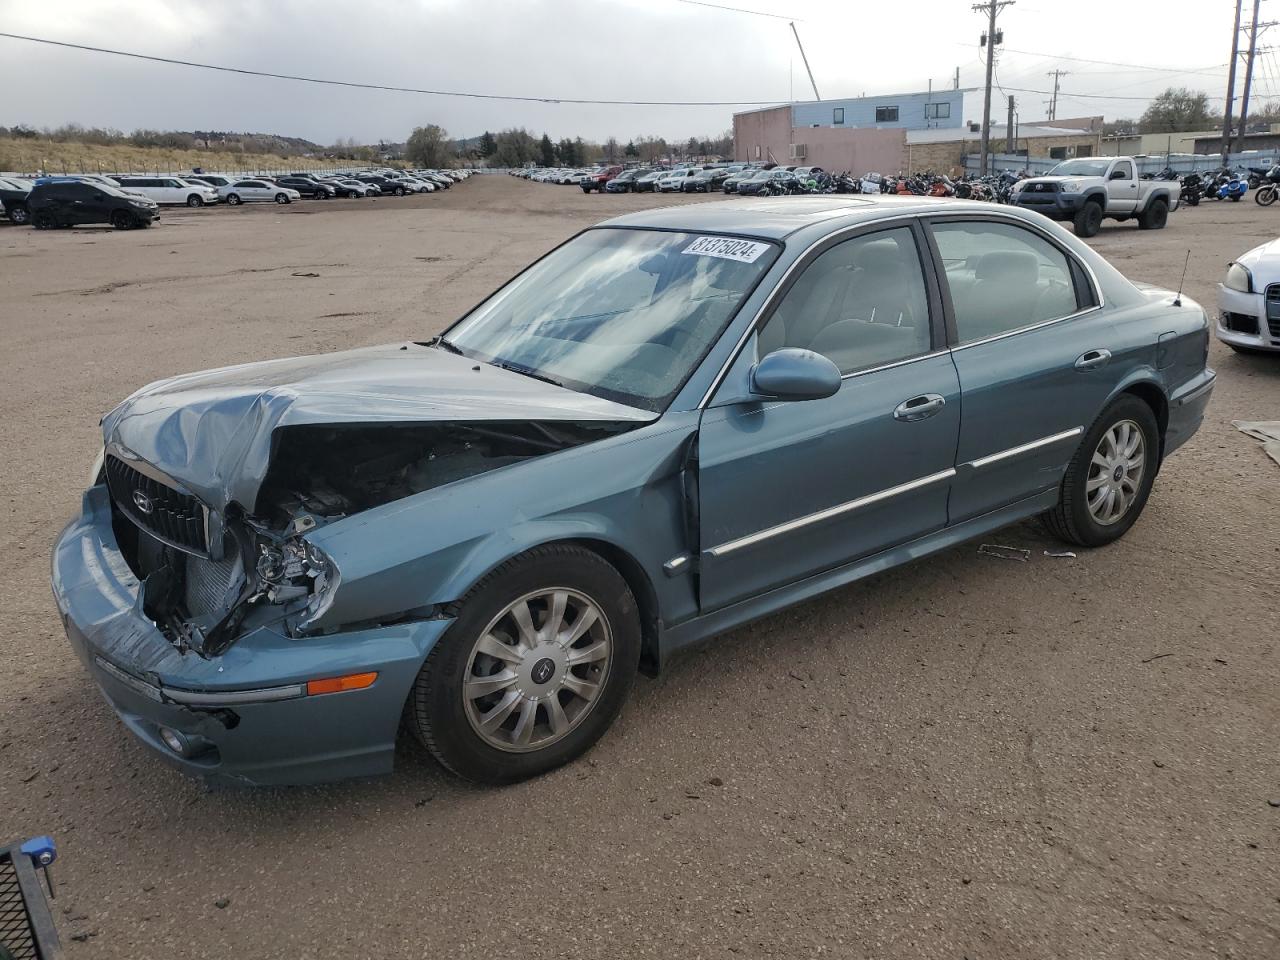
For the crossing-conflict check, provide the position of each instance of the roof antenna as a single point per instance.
(1177, 300)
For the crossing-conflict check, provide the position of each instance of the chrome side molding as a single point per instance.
(1024, 448)
(827, 514)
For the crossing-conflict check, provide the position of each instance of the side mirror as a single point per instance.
(1117, 175)
(795, 374)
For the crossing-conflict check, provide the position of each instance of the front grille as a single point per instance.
(1273, 310)
(1041, 188)
(15, 926)
(177, 518)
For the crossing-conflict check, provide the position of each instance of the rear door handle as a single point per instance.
(1093, 359)
(919, 408)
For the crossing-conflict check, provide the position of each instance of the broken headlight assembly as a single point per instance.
(295, 573)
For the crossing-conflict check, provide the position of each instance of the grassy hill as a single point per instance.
(20, 155)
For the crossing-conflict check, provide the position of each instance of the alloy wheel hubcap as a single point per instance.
(537, 670)
(1115, 472)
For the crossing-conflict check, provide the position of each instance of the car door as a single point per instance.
(1122, 187)
(788, 489)
(1036, 356)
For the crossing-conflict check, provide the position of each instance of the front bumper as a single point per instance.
(1056, 206)
(244, 715)
(1236, 310)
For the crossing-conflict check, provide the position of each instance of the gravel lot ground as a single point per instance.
(968, 757)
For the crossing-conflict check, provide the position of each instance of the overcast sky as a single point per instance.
(600, 49)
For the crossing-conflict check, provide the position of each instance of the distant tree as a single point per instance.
(547, 151)
(611, 149)
(515, 148)
(632, 150)
(1177, 109)
(1120, 128)
(488, 145)
(427, 146)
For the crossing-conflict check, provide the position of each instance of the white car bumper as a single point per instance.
(1243, 320)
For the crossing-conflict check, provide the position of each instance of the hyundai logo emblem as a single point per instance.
(143, 503)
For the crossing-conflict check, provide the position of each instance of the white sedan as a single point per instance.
(257, 190)
(170, 190)
(1249, 301)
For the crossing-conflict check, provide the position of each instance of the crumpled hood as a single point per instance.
(212, 431)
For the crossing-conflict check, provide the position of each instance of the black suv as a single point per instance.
(383, 183)
(308, 187)
(67, 203)
(13, 197)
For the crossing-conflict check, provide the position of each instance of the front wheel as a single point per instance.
(195, 201)
(1109, 479)
(399, 191)
(121, 220)
(1266, 196)
(1088, 220)
(233, 199)
(282, 198)
(19, 214)
(536, 666)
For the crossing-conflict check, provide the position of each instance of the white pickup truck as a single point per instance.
(1087, 189)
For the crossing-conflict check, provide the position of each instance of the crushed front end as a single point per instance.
(194, 625)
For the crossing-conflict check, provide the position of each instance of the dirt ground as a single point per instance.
(967, 757)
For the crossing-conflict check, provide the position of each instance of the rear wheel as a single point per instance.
(1109, 479)
(1088, 220)
(535, 667)
(42, 221)
(195, 200)
(399, 191)
(1155, 216)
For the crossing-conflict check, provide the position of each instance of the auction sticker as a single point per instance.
(727, 248)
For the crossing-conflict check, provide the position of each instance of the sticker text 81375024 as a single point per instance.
(727, 248)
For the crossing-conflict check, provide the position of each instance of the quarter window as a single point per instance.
(1003, 277)
(862, 303)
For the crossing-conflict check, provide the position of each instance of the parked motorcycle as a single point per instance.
(1270, 188)
(1192, 189)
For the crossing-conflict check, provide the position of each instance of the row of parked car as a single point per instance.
(126, 201)
(744, 178)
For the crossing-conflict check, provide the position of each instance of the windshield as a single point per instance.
(621, 314)
(1081, 168)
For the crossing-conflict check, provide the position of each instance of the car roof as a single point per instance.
(775, 218)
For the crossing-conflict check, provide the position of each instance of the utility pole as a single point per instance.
(1008, 130)
(1053, 104)
(816, 94)
(1254, 29)
(1231, 85)
(990, 40)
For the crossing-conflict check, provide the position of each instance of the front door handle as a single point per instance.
(1092, 359)
(919, 408)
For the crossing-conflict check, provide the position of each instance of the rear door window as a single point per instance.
(1003, 277)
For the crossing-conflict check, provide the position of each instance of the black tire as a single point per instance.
(1155, 216)
(1235, 198)
(585, 188)
(1192, 199)
(1088, 219)
(437, 710)
(19, 214)
(399, 191)
(283, 198)
(1266, 196)
(195, 200)
(1071, 520)
(121, 220)
(233, 200)
(42, 221)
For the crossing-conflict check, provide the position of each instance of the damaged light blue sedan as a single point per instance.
(676, 422)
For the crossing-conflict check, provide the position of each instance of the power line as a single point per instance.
(379, 86)
(756, 13)
(1116, 63)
